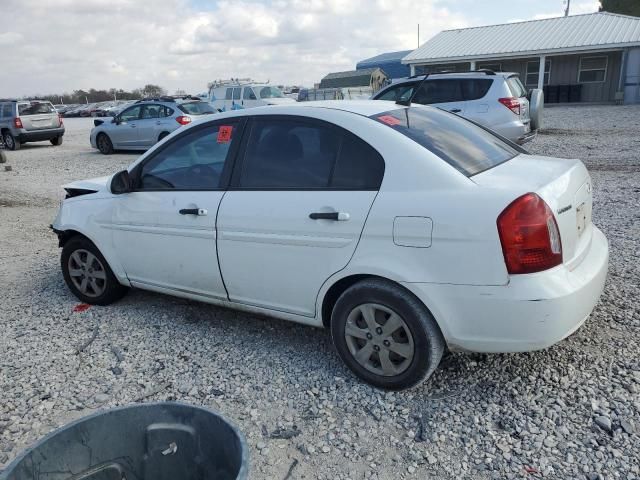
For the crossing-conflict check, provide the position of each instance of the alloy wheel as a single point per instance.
(87, 273)
(379, 339)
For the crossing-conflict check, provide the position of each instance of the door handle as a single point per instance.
(132, 125)
(158, 122)
(336, 216)
(200, 212)
(455, 110)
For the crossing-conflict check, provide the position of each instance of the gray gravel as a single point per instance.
(572, 411)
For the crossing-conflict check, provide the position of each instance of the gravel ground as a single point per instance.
(572, 411)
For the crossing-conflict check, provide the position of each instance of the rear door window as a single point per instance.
(236, 93)
(475, 88)
(229, 94)
(297, 154)
(463, 145)
(35, 108)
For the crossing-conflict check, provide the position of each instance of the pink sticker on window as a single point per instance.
(224, 133)
(389, 120)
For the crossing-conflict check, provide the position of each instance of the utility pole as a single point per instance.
(566, 10)
(418, 35)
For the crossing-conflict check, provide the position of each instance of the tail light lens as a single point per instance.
(529, 236)
(511, 103)
(60, 122)
(183, 119)
(17, 123)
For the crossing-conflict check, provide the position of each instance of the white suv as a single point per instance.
(498, 101)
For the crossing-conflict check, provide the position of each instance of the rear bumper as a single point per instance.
(39, 135)
(531, 312)
(527, 137)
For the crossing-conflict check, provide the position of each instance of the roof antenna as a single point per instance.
(566, 10)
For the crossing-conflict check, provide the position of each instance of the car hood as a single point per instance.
(92, 184)
(279, 101)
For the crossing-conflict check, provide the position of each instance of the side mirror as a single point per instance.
(120, 183)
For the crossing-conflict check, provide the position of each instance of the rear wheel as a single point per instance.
(385, 335)
(87, 273)
(56, 140)
(104, 144)
(10, 141)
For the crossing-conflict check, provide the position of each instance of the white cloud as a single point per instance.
(62, 45)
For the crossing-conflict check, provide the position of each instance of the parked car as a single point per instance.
(497, 100)
(146, 122)
(402, 229)
(236, 95)
(23, 121)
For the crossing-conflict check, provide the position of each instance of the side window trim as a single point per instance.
(229, 163)
(234, 184)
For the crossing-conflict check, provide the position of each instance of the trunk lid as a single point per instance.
(565, 185)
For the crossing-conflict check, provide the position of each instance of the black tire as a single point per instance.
(162, 135)
(109, 290)
(104, 144)
(56, 140)
(10, 142)
(425, 335)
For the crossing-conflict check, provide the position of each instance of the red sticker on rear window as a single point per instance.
(389, 120)
(224, 133)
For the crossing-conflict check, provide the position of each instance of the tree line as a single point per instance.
(93, 96)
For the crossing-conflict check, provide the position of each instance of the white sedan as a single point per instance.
(405, 230)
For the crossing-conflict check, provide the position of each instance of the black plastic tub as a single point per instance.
(148, 441)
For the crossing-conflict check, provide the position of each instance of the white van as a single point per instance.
(235, 95)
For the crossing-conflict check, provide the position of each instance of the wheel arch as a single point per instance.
(340, 285)
(67, 233)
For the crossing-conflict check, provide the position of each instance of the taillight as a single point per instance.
(17, 123)
(529, 235)
(511, 103)
(183, 119)
(60, 122)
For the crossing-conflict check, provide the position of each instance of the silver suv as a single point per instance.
(496, 100)
(24, 121)
(146, 122)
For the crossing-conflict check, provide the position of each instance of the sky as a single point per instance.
(56, 46)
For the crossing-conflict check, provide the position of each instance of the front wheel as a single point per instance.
(385, 335)
(104, 144)
(87, 273)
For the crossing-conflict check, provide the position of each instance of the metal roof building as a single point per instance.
(390, 62)
(600, 51)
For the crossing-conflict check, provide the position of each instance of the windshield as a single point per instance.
(270, 92)
(196, 108)
(463, 145)
(34, 108)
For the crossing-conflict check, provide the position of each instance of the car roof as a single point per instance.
(454, 75)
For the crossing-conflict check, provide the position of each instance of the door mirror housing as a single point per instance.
(120, 183)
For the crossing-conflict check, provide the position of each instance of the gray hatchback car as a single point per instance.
(24, 121)
(496, 100)
(146, 122)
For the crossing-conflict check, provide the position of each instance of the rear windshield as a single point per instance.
(34, 108)
(196, 108)
(516, 87)
(463, 145)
